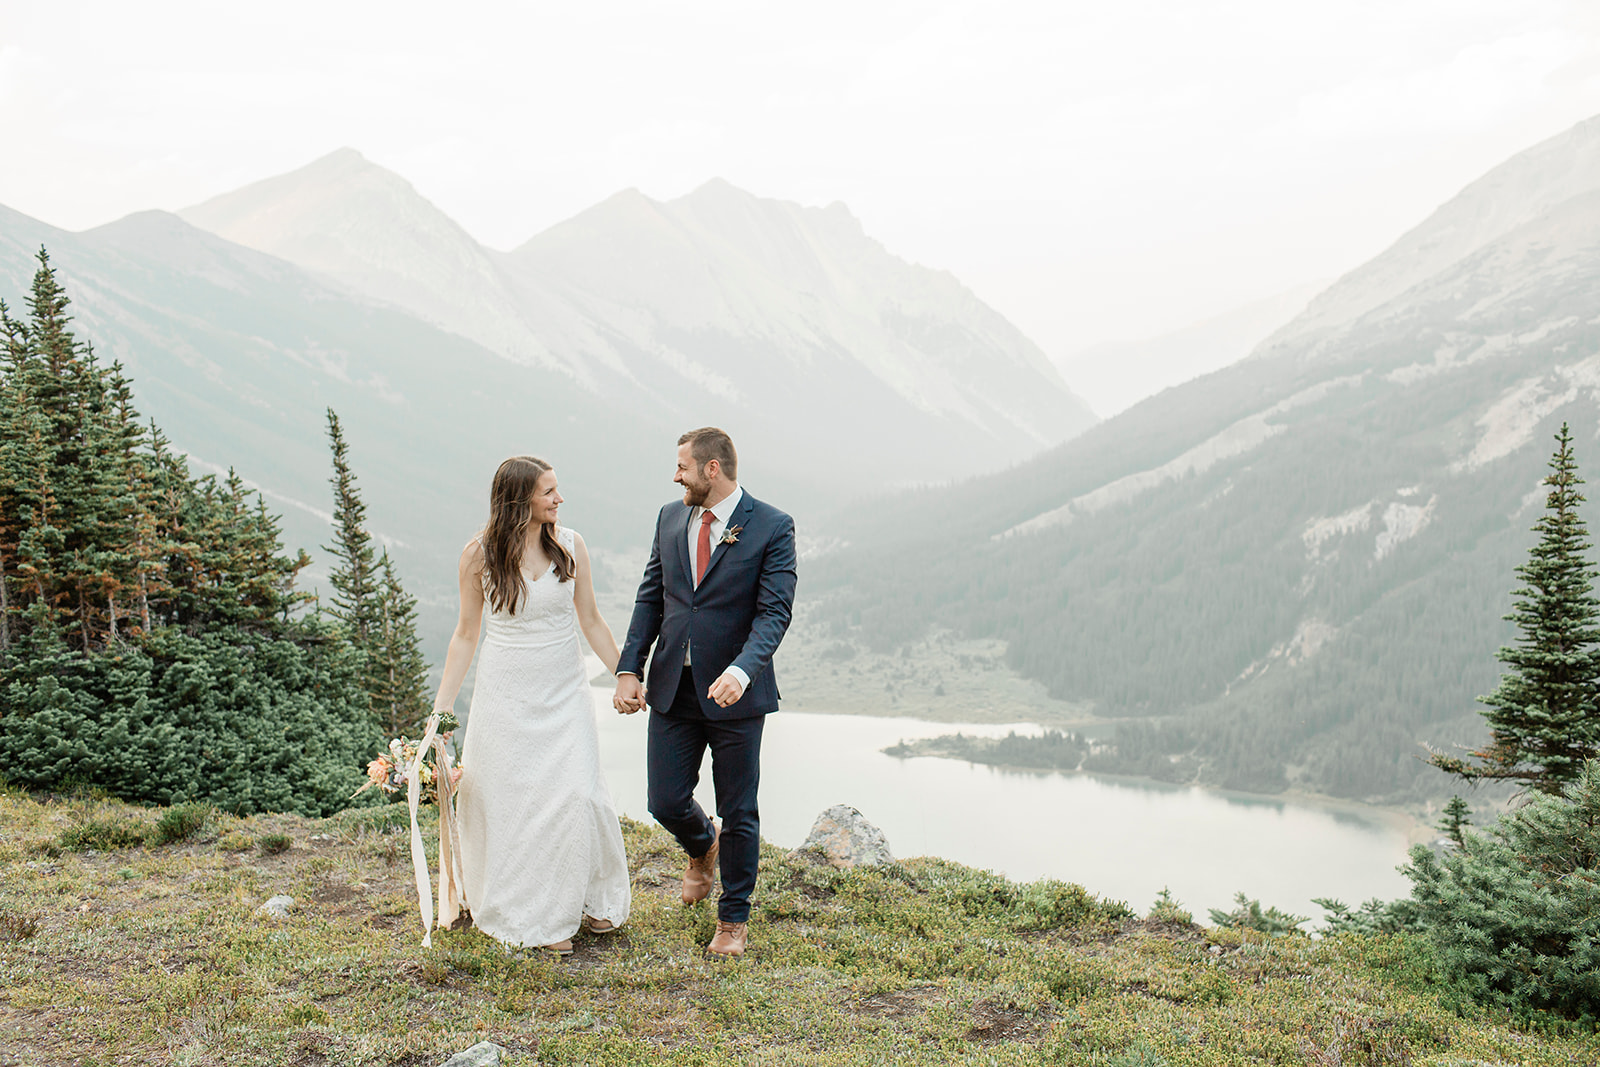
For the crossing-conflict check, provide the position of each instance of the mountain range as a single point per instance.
(832, 362)
(778, 320)
(1291, 572)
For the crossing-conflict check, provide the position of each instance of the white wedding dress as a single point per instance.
(541, 846)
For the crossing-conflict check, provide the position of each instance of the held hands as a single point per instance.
(629, 696)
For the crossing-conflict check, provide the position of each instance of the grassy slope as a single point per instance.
(154, 955)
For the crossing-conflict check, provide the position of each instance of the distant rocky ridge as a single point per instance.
(718, 300)
(1292, 571)
(1519, 191)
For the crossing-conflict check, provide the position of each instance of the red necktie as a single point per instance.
(702, 548)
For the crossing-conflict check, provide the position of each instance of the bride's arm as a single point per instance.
(595, 630)
(464, 641)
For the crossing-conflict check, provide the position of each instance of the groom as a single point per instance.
(715, 601)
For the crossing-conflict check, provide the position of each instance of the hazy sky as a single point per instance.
(1093, 170)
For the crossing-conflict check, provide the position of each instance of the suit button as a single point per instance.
(694, 609)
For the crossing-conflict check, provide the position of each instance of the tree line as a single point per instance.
(153, 642)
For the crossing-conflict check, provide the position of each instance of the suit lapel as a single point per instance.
(680, 540)
(740, 518)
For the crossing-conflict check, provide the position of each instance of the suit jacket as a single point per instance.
(736, 617)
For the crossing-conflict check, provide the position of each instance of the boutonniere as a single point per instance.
(730, 536)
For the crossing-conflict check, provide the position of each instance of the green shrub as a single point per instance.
(1045, 904)
(181, 822)
(1514, 914)
(1137, 1055)
(272, 844)
(248, 722)
(1373, 917)
(1248, 914)
(1167, 909)
(1048, 904)
(103, 835)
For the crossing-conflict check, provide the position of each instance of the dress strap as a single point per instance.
(568, 539)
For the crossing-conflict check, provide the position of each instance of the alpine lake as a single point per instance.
(1125, 839)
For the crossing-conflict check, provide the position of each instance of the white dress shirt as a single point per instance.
(721, 512)
(719, 523)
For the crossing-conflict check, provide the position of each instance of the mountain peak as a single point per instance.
(1516, 192)
(349, 219)
(721, 188)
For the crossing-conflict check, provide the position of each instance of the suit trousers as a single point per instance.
(677, 743)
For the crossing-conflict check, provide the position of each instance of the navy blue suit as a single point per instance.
(736, 617)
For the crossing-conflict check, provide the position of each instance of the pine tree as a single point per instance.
(1514, 914)
(68, 451)
(16, 429)
(354, 577)
(400, 694)
(147, 643)
(377, 612)
(1543, 718)
(1457, 817)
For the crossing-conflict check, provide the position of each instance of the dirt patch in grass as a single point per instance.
(1096, 939)
(994, 1023)
(333, 893)
(896, 1003)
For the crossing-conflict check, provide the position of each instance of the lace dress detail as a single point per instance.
(541, 845)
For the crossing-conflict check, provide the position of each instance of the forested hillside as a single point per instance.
(239, 355)
(1292, 571)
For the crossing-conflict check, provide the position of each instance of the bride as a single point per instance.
(541, 847)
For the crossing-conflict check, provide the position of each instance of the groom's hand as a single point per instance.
(726, 690)
(629, 696)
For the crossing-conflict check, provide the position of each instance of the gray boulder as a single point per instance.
(846, 839)
(483, 1054)
(277, 907)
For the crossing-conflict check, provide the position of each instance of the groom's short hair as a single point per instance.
(709, 443)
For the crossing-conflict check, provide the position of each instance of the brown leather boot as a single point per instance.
(702, 871)
(730, 940)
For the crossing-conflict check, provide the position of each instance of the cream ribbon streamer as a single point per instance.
(450, 882)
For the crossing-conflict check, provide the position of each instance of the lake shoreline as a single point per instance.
(1413, 821)
(1417, 830)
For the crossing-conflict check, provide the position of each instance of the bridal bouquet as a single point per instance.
(390, 772)
(406, 767)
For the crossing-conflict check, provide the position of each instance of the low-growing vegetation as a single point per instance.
(147, 953)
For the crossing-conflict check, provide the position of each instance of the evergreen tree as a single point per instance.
(1543, 718)
(355, 576)
(68, 449)
(1457, 817)
(146, 638)
(1514, 914)
(17, 431)
(369, 600)
(400, 694)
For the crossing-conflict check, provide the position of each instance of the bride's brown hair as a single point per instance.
(505, 538)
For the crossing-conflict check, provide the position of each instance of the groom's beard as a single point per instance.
(695, 495)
